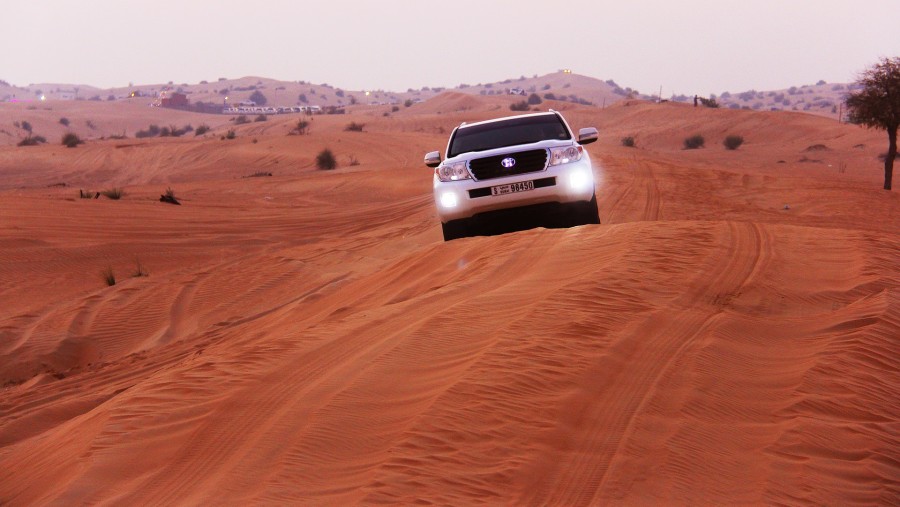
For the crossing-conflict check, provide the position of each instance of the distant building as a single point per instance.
(174, 100)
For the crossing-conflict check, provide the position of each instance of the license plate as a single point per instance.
(522, 186)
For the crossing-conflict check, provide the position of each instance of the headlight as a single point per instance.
(452, 172)
(565, 155)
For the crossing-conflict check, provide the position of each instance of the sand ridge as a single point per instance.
(307, 338)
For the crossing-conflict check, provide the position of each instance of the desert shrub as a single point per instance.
(109, 276)
(694, 142)
(549, 96)
(25, 126)
(325, 160)
(339, 92)
(31, 140)
(302, 98)
(354, 127)
(519, 106)
(628, 141)
(261, 117)
(202, 129)
(230, 134)
(87, 194)
(139, 269)
(258, 98)
(90, 124)
(64, 121)
(394, 109)
(71, 140)
(240, 120)
(353, 160)
(407, 102)
(534, 99)
(300, 128)
(152, 131)
(710, 102)
(165, 132)
(733, 141)
(114, 193)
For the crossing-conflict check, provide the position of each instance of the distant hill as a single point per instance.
(821, 98)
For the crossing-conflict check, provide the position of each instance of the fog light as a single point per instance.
(449, 200)
(580, 180)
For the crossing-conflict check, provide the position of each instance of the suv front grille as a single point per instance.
(492, 167)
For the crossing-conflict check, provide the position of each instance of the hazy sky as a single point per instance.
(686, 47)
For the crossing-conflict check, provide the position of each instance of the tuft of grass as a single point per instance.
(694, 142)
(354, 127)
(353, 160)
(114, 193)
(261, 117)
(109, 276)
(258, 174)
(628, 141)
(202, 129)
(300, 129)
(325, 160)
(733, 142)
(230, 134)
(520, 106)
(71, 140)
(139, 269)
(31, 140)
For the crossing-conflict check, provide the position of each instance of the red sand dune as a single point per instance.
(307, 338)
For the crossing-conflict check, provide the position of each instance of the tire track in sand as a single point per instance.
(643, 188)
(277, 407)
(603, 416)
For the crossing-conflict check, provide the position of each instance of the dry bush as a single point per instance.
(694, 142)
(732, 142)
(114, 193)
(71, 140)
(325, 160)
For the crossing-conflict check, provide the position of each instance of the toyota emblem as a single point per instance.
(508, 162)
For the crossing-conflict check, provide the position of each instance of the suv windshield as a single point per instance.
(529, 129)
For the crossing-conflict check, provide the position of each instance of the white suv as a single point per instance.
(502, 168)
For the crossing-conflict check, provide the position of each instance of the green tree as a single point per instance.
(876, 104)
(258, 98)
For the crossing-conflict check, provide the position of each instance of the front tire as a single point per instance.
(585, 213)
(454, 229)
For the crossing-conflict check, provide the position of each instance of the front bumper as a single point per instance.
(563, 183)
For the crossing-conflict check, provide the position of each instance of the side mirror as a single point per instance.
(433, 159)
(587, 135)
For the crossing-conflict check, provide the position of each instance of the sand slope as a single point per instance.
(307, 338)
